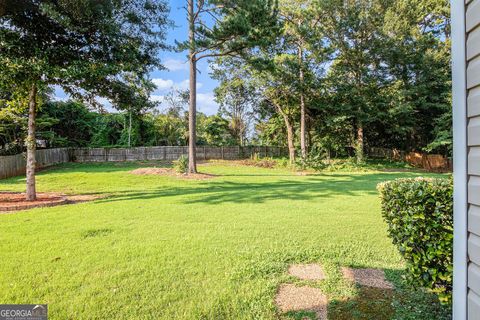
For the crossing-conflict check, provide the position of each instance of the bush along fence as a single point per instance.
(11, 166)
(430, 162)
(419, 214)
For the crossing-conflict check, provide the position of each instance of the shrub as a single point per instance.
(283, 162)
(181, 165)
(419, 214)
(317, 159)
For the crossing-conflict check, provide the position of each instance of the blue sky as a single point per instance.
(176, 63)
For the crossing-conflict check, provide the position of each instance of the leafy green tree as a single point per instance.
(300, 28)
(89, 48)
(353, 29)
(236, 97)
(217, 131)
(66, 123)
(417, 53)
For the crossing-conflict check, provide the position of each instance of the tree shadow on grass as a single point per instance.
(221, 191)
(369, 303)
(404, 302)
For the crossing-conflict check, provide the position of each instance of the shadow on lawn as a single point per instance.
(404, 302)
(295, 189)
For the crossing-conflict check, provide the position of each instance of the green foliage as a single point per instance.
(66, 124)
(181, 164)
(236, 97)
(216, 131)
(317, 159)
(89, 48)
(419, 213)
(73, 124)
(381, 67)
(443, 142)
(108, 130)
(237, 26)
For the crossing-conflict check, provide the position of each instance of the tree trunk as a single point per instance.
(130, 130)
(360, 144)
(290, 138)
(192, 110)
(303, 142)
(31, 144)
(290, 134)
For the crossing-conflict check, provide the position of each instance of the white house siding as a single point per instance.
(472, 24)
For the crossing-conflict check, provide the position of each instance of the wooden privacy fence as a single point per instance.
(430, 162)
(11, 166)
(171, 153)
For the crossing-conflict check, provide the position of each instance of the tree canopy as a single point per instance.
(89, 48)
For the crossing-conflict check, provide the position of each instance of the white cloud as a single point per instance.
(163, 84)
(185, 84)
(157, 98)
(206, 103)
(176, 65)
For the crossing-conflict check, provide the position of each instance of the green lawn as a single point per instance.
(168, 248)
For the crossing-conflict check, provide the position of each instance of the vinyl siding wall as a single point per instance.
(473, 132)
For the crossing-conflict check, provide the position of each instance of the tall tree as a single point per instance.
(222, 28)
(300, 26)
(89, 48)
(354, 30)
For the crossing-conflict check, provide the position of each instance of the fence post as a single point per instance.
(223, 156)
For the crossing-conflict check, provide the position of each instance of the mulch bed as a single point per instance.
(15, 201)
(171, 173)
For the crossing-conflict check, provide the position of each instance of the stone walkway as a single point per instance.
(291, 297)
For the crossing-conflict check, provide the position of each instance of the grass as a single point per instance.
(166, 248)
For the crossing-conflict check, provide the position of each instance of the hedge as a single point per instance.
(419, 214)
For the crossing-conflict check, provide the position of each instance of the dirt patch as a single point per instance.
(14, 201)
(367, 277)
(261, 163)
(307, 271)
(292, 298)
(171, 173)
(83, 198)
(154, 171)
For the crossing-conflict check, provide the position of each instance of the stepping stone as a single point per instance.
(307, 271)
(367, 277)
(292, 298)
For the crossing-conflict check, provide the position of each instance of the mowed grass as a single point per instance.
(168, 248)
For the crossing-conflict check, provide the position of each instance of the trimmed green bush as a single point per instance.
(419, 214)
